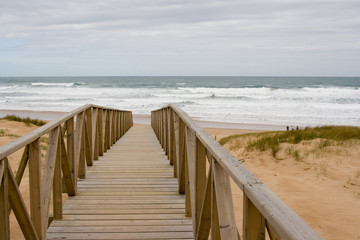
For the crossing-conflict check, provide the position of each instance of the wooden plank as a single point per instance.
(120, 229)
(191, 168)
(82, 162)
(253, 221)
(136, 222)
(272, 233)
(110, 236)
(22, 165)
(200, 176)
(66, 167)
(57, 184)
(87, 145)
(225, 206)
(215, 225)
(78, 144)
(70, 145)
(19, 208)
(100, 132)
(35, 185)
(4, 201)
(182, 155)
(100, 217)
(48, 176)
(205, 214)
(89, 137)
(94, 132)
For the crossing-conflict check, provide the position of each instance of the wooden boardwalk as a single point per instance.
(129, 193)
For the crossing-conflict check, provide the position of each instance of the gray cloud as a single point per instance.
(180, 37)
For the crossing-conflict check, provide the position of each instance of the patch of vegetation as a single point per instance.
(28, 121)
(272, 140)
(4, 134)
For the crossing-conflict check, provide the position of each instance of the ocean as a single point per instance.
(302, 101)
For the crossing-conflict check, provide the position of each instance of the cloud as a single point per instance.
(44, 29)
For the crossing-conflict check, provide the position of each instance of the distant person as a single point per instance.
(287, 128)
(297, 127)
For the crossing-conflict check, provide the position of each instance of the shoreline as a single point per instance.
(146, 119)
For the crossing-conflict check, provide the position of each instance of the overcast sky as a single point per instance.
(173, 37)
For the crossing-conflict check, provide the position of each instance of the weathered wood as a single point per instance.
(89, 136)
(191, 168)
(253, 221)
(78, 145)
(4, 202)
(200, 177)
(272, 233)
(35, 185)
(137, 200)
(87, 144)
(181, 156)
(22, 165)
(48, 176)
(284, 220)
(82, 162)
(70, 137)
(224, 202)
(94, 131)
(205, 214)
(215, 225)
(175, 143)
(100, 137)
(19, 208)
(57, 184)
(66, 167)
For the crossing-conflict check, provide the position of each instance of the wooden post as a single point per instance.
(253, 221)
(176, 143)
(200, 177)
(35, 185)
(4, 201)
(70, 145)
(19, 208)
(100, 132)
(89, 134)
(215, 226)
(182, 156)
(82, 167)
(22, 165)
(57, 184)
(78, 146)
(95, 129)
(225, 206)
(48, 176)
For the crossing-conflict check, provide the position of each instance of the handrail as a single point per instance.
(74, 141)
(209, 197)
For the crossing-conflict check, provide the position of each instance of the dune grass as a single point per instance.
(272, 140)
(27, 121)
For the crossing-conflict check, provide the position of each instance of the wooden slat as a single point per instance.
(272, 233)
(205, 214)
(48, 176)
(253, 221)
(22, 165)
(19, 208)
(66, 167)
(224, 203)
(129, 196)
(35, 185)
(4, 201)
(57, 184)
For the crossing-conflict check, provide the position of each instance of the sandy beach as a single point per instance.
(324, 189)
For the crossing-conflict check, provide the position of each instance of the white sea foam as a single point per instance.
(254, 105)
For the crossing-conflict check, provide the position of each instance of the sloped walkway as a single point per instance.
(129, 193)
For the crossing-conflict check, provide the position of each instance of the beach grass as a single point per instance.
(272, 140)
(27, 121)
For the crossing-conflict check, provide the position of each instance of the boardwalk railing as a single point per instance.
(76, 139)
(208, 195)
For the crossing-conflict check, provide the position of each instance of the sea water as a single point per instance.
(303, 101)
